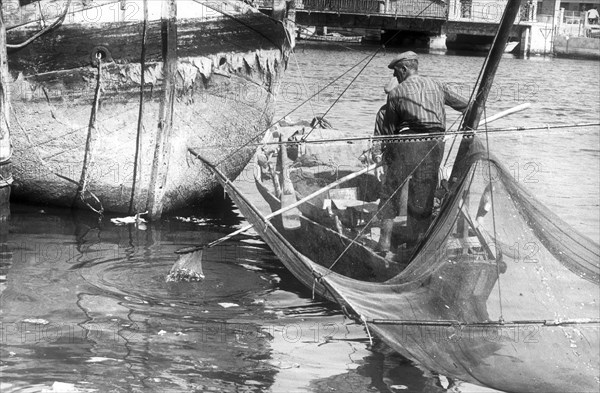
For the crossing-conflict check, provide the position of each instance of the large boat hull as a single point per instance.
(227, 73)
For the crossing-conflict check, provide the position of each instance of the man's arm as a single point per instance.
(390, 120)
(376, 146)
(454, 100)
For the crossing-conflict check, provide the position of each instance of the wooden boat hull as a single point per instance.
(227, 75)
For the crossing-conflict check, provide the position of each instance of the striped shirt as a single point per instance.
(418, 104)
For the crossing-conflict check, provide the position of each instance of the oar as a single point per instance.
(488, 120)
(188, 266)
(507, 112)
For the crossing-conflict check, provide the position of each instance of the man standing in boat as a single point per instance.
(415, 106)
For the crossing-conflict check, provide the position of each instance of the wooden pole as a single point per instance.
(278, 9)
(134, 201)
(473, 115)
(5, 147)
(160, 164)
(5, 153)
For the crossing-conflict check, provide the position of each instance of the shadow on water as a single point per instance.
(85, 303)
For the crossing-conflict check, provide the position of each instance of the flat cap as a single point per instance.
(409, 55)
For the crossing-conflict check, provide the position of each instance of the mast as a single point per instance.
(473, 115)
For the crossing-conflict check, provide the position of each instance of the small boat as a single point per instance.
(510, 46)
(500, 292)
(500, 301)
(108, 95)
(308, 34)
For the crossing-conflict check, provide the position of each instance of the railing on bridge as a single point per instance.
(417, 9)
(488, 11)
(400, 8)
(484, 11)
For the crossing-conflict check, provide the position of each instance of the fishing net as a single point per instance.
(501, 292)
(495, 253)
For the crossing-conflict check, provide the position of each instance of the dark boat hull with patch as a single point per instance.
(229, 62)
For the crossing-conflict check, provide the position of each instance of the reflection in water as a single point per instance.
(86, 303)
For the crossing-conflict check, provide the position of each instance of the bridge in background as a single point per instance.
(433, 18)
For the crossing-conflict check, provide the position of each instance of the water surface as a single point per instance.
(84, 302)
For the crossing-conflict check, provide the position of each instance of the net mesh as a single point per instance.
(494, 253)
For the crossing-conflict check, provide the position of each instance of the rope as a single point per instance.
(407, 138)
(87, 160)
(361, 70)
(260, 134)
(5, 181)
(43, 31)
(220, 10)
(471, 100)
(491, 185)
(304, 137)
(364, 320)
(140, 125)
(312, 109)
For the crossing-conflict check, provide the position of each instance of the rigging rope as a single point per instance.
(491, 186)
(361, 70)
(260, 134)
(407, 138)
(312, 109)
(304, 137)
(88, 158)
(43, 31)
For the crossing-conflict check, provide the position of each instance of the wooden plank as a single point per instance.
(70, 45)
(135, 203)
(160, 164)
(5, 147)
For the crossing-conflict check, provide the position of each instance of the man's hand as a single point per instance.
(380, 173)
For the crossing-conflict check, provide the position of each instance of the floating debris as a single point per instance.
(228, 305)
(35, 321)
(137, 220)
(61, 387)
(250, 267)
(186, 275)
(98, 359)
